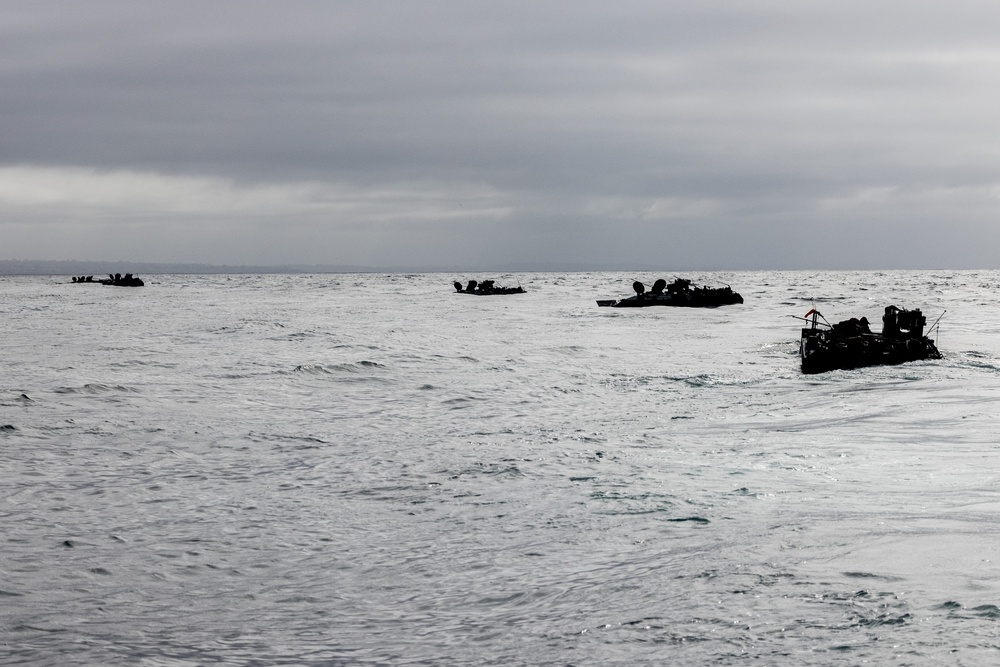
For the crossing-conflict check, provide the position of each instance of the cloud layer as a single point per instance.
(436, 134)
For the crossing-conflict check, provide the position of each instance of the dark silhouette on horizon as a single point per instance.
(678, 293)
(486, 288)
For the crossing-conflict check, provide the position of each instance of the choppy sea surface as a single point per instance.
(373, 470)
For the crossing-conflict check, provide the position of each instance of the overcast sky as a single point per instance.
(680, 135)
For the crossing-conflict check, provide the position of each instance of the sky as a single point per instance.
(770, 134)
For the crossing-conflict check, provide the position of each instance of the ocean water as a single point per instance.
(373, 470)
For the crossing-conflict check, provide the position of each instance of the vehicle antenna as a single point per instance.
(935, 326)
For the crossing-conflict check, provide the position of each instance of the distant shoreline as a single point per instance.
(18, 267)
(29, 267)
(72, 267)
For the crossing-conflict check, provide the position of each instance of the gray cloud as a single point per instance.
(702, 135)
